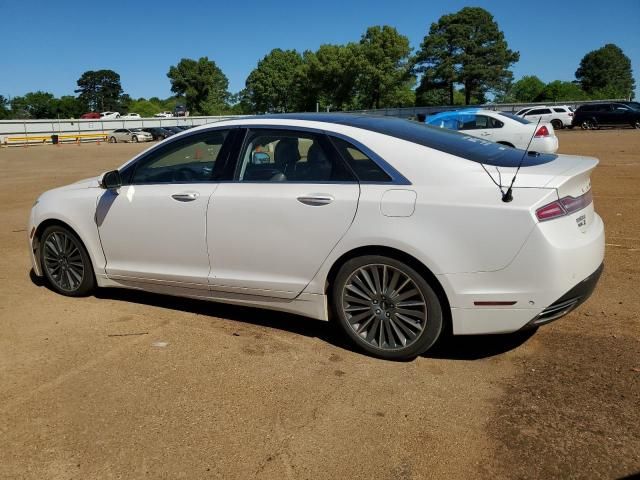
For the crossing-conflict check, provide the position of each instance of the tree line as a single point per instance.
(464, 59)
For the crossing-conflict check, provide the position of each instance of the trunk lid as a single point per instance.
(568, 174)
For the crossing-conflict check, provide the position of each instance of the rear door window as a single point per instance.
(364, 167)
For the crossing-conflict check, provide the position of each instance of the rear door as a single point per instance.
(291, 201)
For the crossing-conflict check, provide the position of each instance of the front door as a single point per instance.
(154, 228)
(271, 229)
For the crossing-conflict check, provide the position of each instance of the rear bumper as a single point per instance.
(551, 264)
(569, 301)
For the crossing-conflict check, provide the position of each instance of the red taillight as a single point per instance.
(564, 206)
(543, 131)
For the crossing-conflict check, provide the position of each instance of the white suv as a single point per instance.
(559, 116)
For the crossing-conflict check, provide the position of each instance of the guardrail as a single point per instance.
(39, 132)
(414, 112)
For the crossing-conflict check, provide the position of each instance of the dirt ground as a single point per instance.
(242, 393)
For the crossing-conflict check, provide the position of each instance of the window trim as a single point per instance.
(128, 171)
(319, 135)
(396, 177)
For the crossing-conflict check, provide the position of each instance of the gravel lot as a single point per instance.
(243, 393)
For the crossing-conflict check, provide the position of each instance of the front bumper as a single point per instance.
(569, 301)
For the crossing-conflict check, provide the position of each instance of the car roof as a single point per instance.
(448, 141)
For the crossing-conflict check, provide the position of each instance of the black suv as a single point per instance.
(594, 115)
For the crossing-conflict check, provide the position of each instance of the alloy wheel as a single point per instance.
(63, 261)
(384, 306)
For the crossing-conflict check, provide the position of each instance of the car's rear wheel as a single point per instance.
(386, 308)
(113, 140)
(636, 124)
(588, 124)
(65, 262)
(557, 124)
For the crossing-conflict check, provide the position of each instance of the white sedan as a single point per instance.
(499, 127)
(163, 115)
(396, 230)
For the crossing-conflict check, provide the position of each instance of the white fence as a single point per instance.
(28, 132)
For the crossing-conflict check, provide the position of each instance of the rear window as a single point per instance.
(538, 111)
(560, 110)
(521, 120)
(366, 169)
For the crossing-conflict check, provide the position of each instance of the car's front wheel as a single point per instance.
(65, 262)
(134, 139)
(113, 140)
(386, 308)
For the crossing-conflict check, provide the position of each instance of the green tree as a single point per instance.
(67, 106)
(328, 77)
(99, 90)
(272, 85)
(558, 91)
(468, 48)
(606, 73)
(385, 77)
(4, 111)
(527, 89)
(34, 105)
(203, 84)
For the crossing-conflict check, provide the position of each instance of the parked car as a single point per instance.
(132, 116)
(180, 111)
(173, 128)
(612, 114)
(163, 115)
(523, 111)
(386, 225)
(134, 135)
(158, 133)
(90, 115)
(109, 115)
(499, 127)
(559, 116)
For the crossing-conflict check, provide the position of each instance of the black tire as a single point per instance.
(589, 124)
(636, 124)
(134, 139)
(388, 322)
(557, 124)
(113, 140)
(65, 262)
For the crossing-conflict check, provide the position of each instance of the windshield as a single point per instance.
(521, 120)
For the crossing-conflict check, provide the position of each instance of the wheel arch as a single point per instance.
(399, 255)
(49, 222)
(507, 144)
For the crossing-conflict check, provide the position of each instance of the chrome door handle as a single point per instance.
(185, 197)
(316, 200)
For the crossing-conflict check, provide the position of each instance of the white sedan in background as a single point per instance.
(499, 127)
(134, 135)
(164, 115)
(396, 230)
(109, 115)
(131, 116)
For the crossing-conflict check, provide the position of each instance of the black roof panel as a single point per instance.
(448, 141)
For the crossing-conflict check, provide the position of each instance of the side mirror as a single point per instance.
(258, 158)
(111, 180)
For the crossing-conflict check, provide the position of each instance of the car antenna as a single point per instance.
(508, 195)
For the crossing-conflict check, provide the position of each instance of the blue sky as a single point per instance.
(47, 45)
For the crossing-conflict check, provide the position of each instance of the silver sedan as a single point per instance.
(130, 135)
